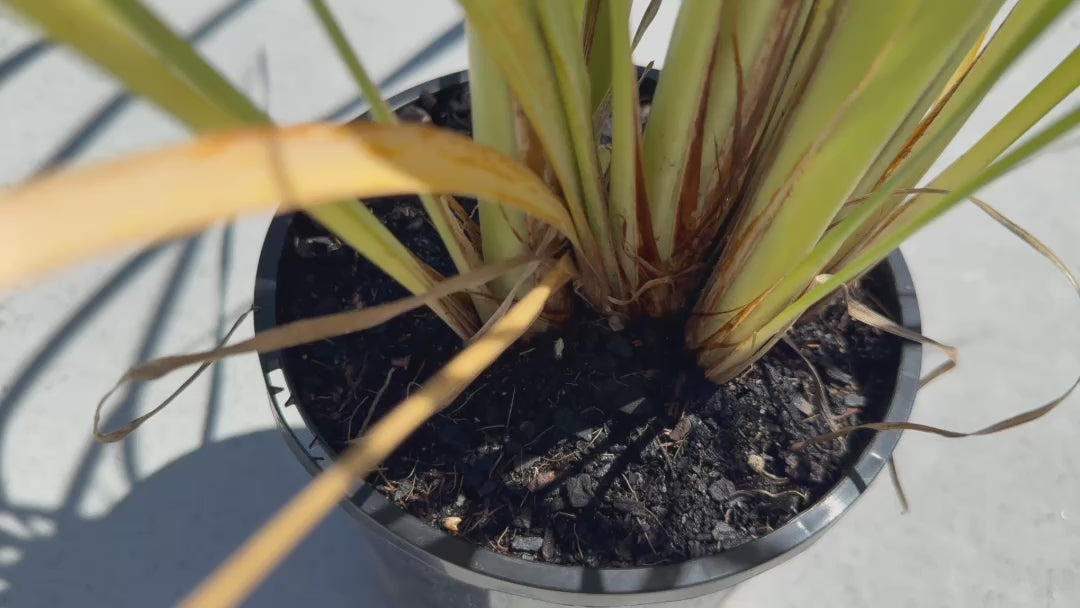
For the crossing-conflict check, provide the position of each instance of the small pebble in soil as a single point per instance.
(532, 544)
(682, 428)
(793, 463)
(854, 400)
(834, 373)
(756, 462)
(721, 489)
(616, 323)
(638, 408)
(523, 519)
(803, 405)
(547, 551)
(413, 113)
(577, 492)
(727, 536)
(554, 503)
(459, 501)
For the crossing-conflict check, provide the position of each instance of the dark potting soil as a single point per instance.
(582, 445)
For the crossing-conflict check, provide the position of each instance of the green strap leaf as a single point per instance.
(625, 141)
(505, 232)
(512, 35)
(672, 120)
(449, 229)
(878, 66)
(877, 252)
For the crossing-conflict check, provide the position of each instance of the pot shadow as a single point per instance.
(174, 527)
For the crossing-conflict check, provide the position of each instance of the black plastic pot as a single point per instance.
(426, 566)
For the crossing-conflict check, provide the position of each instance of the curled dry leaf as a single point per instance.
(681, 430)
(541, 480)
(757, 463)
(289, 334)
(1008, 423)
(451, 523)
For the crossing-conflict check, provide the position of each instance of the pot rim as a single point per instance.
(475, 565)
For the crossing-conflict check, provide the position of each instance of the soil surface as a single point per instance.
(582, 445)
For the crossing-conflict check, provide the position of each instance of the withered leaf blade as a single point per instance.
(997, 427)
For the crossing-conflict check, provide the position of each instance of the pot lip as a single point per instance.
(476, 565)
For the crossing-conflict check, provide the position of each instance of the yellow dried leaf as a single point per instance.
(181, 189)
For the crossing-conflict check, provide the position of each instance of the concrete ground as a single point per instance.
(995, 521)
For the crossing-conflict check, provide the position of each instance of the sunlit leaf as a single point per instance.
(562, 36)
(128, 40)
(511, 34)
(875, 70)
(910, 225)
(625, 142)
(449, 229)
(673, 120)
(504, 231)
(163, 194)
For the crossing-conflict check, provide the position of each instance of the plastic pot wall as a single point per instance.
(424, 566)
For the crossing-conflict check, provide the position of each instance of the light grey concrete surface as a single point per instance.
(995, 521)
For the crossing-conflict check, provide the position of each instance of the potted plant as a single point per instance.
(652, 243)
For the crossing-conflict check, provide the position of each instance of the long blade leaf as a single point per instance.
(625, 141)
(450, 231)
(1023, 24)
(505, 232)
(163, 194)
(511, 34)
(1062, 80)
(671, 127)
(910, 225)
(119, 35)
(880, 62)
(563, 42)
